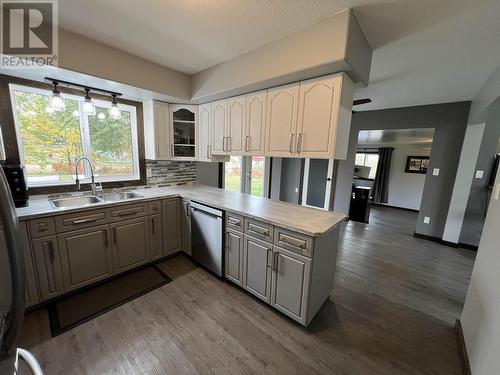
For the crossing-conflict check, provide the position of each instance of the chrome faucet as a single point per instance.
(93, 186)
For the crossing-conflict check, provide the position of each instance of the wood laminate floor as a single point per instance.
(391, 312)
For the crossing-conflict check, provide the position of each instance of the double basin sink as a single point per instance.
(86, 200)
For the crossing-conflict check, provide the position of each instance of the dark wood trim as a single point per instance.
(462, 348)
(395, 207)
(10, 140)
(445, 243)
(221, 176)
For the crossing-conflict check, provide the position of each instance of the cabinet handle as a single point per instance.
(290, 146)
(173, 150)
(246, 142)
(106, 243)
(229, 143)
(153, 225)
(208, 152)
(114, 236)
(42, 227)
(276, 260)
(299, 143)
(128, 212)
(188, 208)
(157, 149)
(83, 221)
(257, 229)
(52, 255)
(301, 244)
(234, 222)
(269, 251)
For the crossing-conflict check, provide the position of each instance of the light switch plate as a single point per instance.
(479, 174)
(435, 172)
(427, 220)
(296, 190)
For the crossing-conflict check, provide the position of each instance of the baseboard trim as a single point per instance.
(396, 207)
(445, 243)
(462, 349)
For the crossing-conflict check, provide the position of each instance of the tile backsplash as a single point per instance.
(171, 172)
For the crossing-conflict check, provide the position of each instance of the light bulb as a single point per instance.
(115, 112)
(56, 101)
(101, 116)
(88, 107)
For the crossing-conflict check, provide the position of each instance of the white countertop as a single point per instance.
(310, 221)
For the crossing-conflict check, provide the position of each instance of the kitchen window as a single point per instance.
(51, 141)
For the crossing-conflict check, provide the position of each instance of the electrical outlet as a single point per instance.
(427, 220)
(479, 174)
(297, 190)
(435, 172)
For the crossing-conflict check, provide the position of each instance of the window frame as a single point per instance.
(365, 152)
(246, 172)
(13, 152)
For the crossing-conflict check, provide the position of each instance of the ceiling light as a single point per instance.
(88, 107)
(56, 102)
(115, 112)
(101, 116)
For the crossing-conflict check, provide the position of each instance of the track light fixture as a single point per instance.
(115, 112)
(88, 107)
(56, 102)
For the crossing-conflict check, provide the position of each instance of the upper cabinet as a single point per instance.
(219, 143)
(204, 132)
(235, 125)
(255, 124)
(183, 120)
(281, 120)
(156, 130)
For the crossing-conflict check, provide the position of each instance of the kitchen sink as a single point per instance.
(74, 201)
(119, 196)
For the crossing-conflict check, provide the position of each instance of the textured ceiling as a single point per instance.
(426, 51)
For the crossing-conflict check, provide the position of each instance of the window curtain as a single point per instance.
(381, 183)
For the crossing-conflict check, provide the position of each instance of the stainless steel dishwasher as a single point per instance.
(206, 237)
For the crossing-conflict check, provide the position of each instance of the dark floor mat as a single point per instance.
(81, 307)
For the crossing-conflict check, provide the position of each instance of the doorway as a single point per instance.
(317, 183)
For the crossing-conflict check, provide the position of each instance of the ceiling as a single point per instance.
(426, 51)
(396, 136)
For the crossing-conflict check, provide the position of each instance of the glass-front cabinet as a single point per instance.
(183, 120)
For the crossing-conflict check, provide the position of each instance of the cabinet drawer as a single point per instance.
(259, 229)
(129, 211)
(296, 242)
(42, 227)
(154, 207)
(81, 220)
(234, 222)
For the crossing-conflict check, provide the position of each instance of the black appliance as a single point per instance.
(17, 184)
(494, 171)
(360, 204)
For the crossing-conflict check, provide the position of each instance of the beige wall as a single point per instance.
(83, 55)
(333, 45)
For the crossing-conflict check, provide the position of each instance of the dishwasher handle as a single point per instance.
(197, 207)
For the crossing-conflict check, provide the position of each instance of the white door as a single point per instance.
(318, 117)
(219, 127)
(235, 125)
(255, 126)
(204, 131)
(317, 183)
(281, 120)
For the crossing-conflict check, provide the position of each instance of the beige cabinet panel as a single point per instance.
(235, 125)
(130, 244)
(281, 120)
(156, 236)
(186, 227)
(86, 257)
(290, 283)
(234, 256)
(318, 117)
(171, 225)
(219, 127)
(30, 286)
(156, 130)
(255, 125)
(257, 258)
(48, 267)
(204, 132)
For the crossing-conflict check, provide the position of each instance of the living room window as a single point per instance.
(51, 141)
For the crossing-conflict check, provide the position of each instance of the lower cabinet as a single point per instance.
(186, 227)
(171, 225)
(257, 258)
(156, 237)
(48, 267)
(290, 283)
(30, 287)
(234, 256)
(86, 256)
(130, 243)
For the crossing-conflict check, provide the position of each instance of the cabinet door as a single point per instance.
(204, 126)
(235, 126)
(156, 236)
(219, 127)
(255, 125)
(183, 120)
(86, 256)
(48, 267)
(186, 227)
(290, 283)
(171, 225)
(257, 257)
(130, 244)
(234, 256)
(156, 134)
(318, 117)
(30, 287)
(281, 120)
